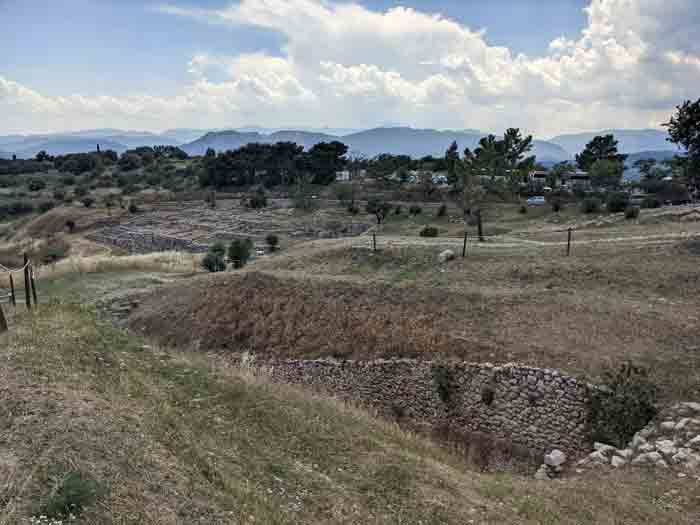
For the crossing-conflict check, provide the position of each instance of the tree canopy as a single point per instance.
(602, 147)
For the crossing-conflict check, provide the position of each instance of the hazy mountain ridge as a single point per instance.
(629, 140)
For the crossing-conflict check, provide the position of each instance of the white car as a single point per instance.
(536, 201)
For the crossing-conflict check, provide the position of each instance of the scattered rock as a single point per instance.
(542, 473)
(618, 462)
(445, 256)
(556, 458)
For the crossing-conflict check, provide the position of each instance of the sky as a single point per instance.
(546, 66)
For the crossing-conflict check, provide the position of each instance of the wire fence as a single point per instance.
(10, 296)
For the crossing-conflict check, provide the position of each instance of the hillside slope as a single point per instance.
(142, 436)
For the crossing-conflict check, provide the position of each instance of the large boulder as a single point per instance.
(556, 458)
(445, 256)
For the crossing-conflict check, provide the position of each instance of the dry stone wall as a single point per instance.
(139, 242)
(536, 408)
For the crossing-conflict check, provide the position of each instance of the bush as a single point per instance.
(54, 252)
(624, 404)
(378, 207)
(259, 200)
(45, 206)
(59, 195)
(88, 201)
(36, 185)
(631, 212)
(415, 209)
(523, 209)
(590, 205)
(80, 191)
(617, 202)
(68, 180)
(650, 202)
(429, 231)
(214, 260)
(272, 242)
(15, 208)
(442, 211)
(70, 225)
(556, 206)
(444, 385)
(74, 494)
(398, 209)
(239, 252)
(353, 210)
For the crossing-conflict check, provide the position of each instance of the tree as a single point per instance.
(36, 185)
(684, 130)
(378, 207)
(514, 148)
(606, 173)
(239, 252)
(451, 160)
(644, 166)
(42, 156)
(214, 260)
(326, 158)
(88, 201)
(129, 162)
(600, 148)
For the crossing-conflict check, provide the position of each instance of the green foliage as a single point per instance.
(80, 191)
(272, 242)
(398, 209)
(45, 206)
(75, 492)
(650, 202)
(523, 209)
(378, 207)
(68, 180)
(590, 205)
(129, 162)
(344, 193)
(36, 185)
(15, 208)
(442, 211)
(133, 208)
(215, 259)
(59, 195)
(429, 231)
(556, 206)
(601, 148)
(631, 212)
(54, 252)
(415, 209)
(617, 202)
(443, 381)
(88, 201)
(258, 200)
(606, 173)
(239, 252)
(625, 403)
(353, 209)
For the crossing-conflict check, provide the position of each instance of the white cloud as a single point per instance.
(345, 65)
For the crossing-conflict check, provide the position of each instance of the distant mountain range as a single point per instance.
(372, 142)
(395, 140)
(629, 140)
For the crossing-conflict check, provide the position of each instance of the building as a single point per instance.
(576, 180)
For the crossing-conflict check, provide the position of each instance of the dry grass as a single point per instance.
(171, 439)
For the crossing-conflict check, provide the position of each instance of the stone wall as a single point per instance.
(538, 409)
(135, 241)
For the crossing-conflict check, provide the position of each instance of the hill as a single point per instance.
(64, 145)
(630, 140)
(632, 173)
(94, 417)
(395, 140)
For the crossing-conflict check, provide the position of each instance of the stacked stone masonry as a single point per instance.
(536, 408)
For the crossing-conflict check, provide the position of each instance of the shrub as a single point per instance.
(556, 206)
(68, 180)
(54, 252)
(80, 191)
(442, 211)
(272, 242)
(133, 208)
(415, 209)
(214, 260)
(70, 225)
(625, 403)
(36, 185)
(442, 378)
(239, 252)
(631, 212)
(353, 210)
(88, 201)
(429, 231)
(59, 195)
(45, 206)
(617, 202)
(523, 209)
(650, 202)
(378, 207)
(74, 494)
(398, 209)
(259, 200)
(590, 205)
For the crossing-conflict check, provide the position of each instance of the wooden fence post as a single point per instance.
(27, 292)
(31, 275)
(568, 243)
(3, 321)
(480, 226)
(374, 242)
(464, 247)
(13, 297)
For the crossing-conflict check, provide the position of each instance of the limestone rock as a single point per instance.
(445, 256)
(556, 458)
(667, 425)
(666, 447)
(618, 462)
(694, 443)
(542, 473)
